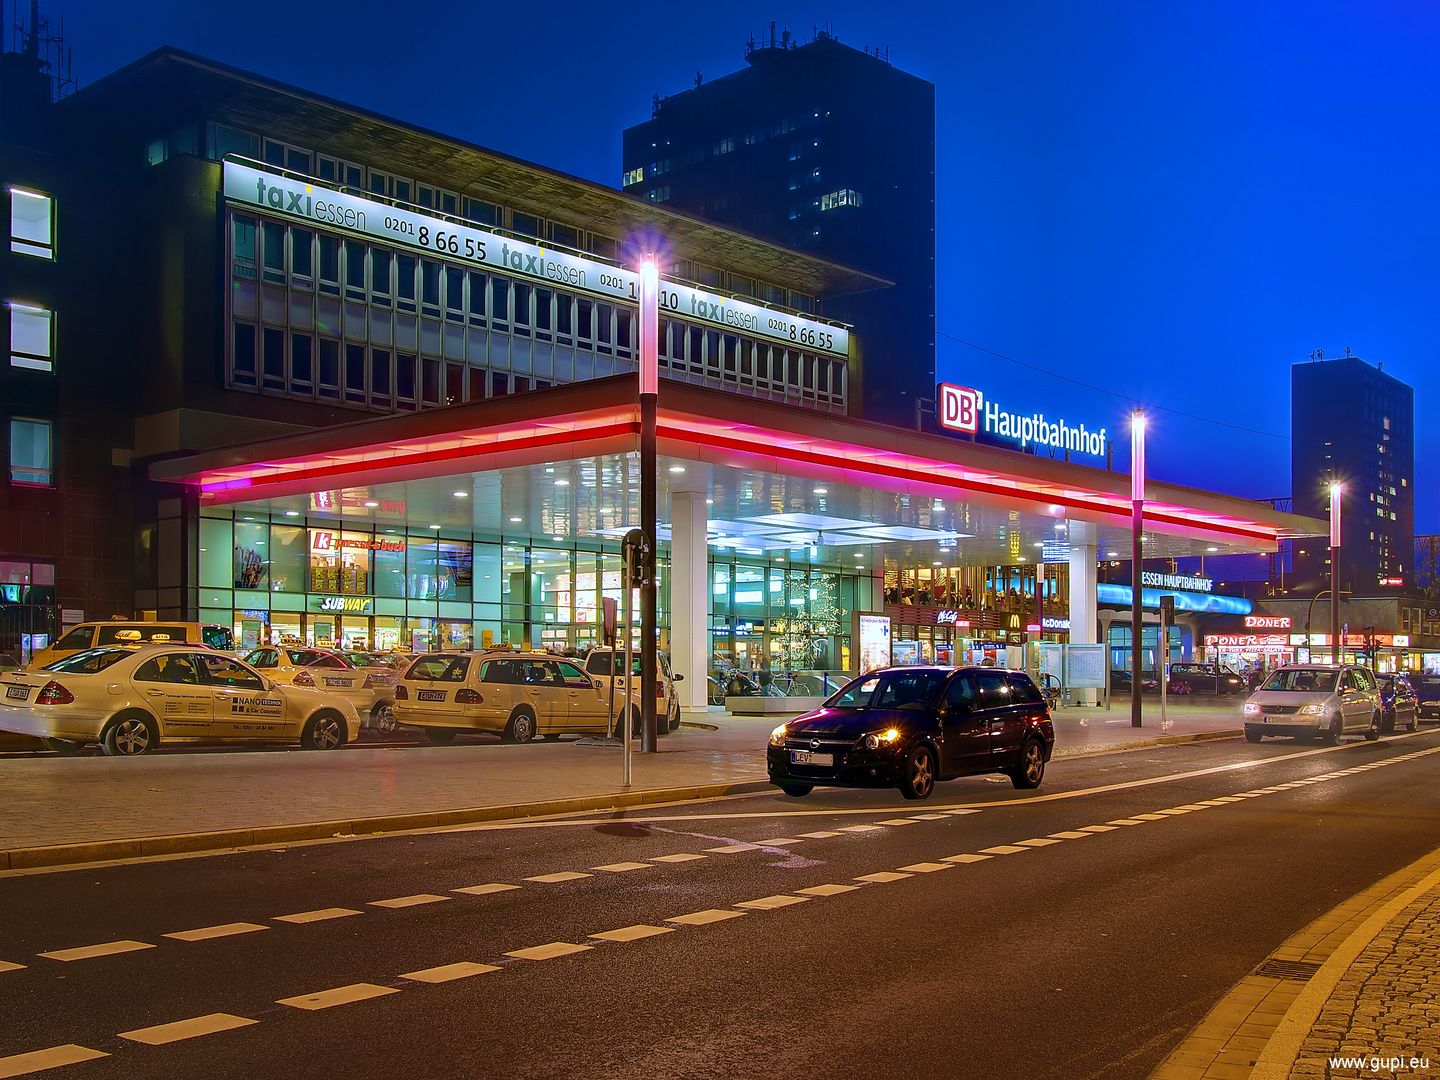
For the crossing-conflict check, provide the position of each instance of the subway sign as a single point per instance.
(314, 203)
(348, 605)
(967, 410)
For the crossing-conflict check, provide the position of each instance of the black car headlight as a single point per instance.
(777, 737)
(875, 740)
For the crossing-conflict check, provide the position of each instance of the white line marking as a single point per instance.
(5, 965)
(1099, 828)
(621, 867)
(161, 1034)
(927, 817)
(862, 828)
(701, 918)
(770, 903)
(1070, 835)
(1173, 811)
(447, 972)
(409, 901)
(882, 877)
(110, 948)
(683, 857)
(965, 858)
(818, 835)
(898, 820)
(730, 849)
(827, 890)
(928, 867)
(1150, 817)
(779, 841)
(54, 1057)
(318, 915)
(1004, 849)
(205, 933)
(548, 952)
(959, 813)
(485, 890)
(1041, 841)
(564, 875)
(634, 933)
(341, 995)
(1125, 820)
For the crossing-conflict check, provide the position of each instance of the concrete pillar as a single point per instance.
(689, 597)
(1083, 556)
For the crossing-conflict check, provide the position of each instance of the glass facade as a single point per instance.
(29, 619)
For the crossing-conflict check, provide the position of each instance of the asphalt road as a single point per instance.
(1088, 956)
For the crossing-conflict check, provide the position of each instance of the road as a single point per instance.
(1076, 932)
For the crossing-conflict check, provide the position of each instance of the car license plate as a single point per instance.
(430, 695)
(17, 693)
(337, 682)
(806, 757)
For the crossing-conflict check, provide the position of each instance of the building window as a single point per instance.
(30, 455)
(843, 197)
(32, 337)
(32, 223)
(634, 176)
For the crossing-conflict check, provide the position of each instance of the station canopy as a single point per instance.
(563, 463)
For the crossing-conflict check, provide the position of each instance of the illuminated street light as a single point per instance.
(1137, 528)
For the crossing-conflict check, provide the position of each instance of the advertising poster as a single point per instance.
(873, 634)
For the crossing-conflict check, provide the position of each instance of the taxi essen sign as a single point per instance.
(309, 202)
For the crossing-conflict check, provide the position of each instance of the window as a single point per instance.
(634, 176)
(32, 223)
(32, 337)
(30, 453)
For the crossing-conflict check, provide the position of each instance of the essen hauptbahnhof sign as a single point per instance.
(967, 410)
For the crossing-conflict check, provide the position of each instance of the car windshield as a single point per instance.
(1303, 680)
(440, 668)
(314, 658)
(606, 663)
(89, 661)
(889, 690)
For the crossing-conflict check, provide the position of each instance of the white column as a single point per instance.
(1083, 554)
(689, 597)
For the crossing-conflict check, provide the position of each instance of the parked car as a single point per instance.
(907, 727)
(91, 635)
(601, 663)
(1210, 680)
(372, 695)
(1427, 696)
(1120, 682)
(133, 699)
(1397, 698)
(516, 695)
(1306, 700)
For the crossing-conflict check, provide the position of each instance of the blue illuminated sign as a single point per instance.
(1119, 596)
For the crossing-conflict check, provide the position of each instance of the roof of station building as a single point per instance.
(172, 85)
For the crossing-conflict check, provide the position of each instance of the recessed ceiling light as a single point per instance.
(1217, 549)
(514, 519)
(1111, 554)
(822, 491)
(859, 566)
(937, 505)
(549, 470)
(935, 563)
(677, 468)
(1039, 543)
(709, 502)
(562, 483)
(435, 526)
(461, 494)
(296, 513)
(557, 538)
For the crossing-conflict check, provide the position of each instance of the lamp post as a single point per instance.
(1137, 528)
(649, 393)
(1337, 491)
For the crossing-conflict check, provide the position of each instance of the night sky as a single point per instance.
(1171, 202)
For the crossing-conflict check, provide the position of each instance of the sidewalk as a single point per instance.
(61, 810)
(1354, 994)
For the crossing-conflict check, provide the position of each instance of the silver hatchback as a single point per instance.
(1310, 700)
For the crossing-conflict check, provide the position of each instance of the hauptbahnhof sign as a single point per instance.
(964, 409)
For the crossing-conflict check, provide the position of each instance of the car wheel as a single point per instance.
(383, 719)
(441, 736)
(919, 779)
(1373, 731)
(1031, 769)
(1412, 723)
(520, 729)
(1332, 733)
(797, 791)
(323, 731)
(63, 747)
(129, 735)
(1387, 723)
(1253, 734)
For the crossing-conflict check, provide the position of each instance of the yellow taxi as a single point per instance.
(91, 635)
(516, 695)
(602, 663)
(132, 699)
(326, 669)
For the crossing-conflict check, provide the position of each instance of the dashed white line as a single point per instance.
(205, 933)
(110, 948)
(770, 903)
(862, 828)
(1125, 821)
(1070, 835)
(882, 877)
(548, 952)
(5, 965)
(898, 821)
(927, 867)
(966, 858)
(54, 1057)
(161, 1034)
(341, 995)
(1039, 841)
(1102, 828)
(622, 867)
(730, 849)
(409, 901)
(818, 835)
(1004, 849)
(564, 875)
(702, 918)
(678, 858)
(780, 841)
(485, 890)
(827, 890)
(318, 915)
(633, 933)
(448, 972)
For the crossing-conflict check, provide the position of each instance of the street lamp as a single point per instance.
(1337, 492)
(1137, 528)
(649, 393)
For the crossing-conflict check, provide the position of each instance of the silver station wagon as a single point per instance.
(1315, 700)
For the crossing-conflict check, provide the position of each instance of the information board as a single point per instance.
(873, 634)
(1085, 667)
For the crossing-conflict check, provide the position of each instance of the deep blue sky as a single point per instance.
(1173, 202)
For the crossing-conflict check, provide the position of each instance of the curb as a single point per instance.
(1159, 740)
(181, 843)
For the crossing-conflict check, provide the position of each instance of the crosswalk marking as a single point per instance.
(110, 948)
(409, 901)
(205, 933)
(447, 972)
(548, 952)
(161, 1034)
(485, 890)
(318, 915)
(54, 1057)
(634, 933)
(341, 995)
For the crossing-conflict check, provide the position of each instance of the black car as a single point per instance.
(910, 726)
(1402, 707)
(1210, 680)
(1427, 694)
(1120, 682)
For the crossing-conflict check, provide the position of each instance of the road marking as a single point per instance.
(1070, 835)
(882, 877)
(779, 841)
(409, 901)
(730, 849)
(484, 890)
(1173, 811)
(770, 903)
(1125, 820)
(701, 918)
(1040, 841)
(827, 890)
(1213, 802)
(161, 1034)
(1099, 828)
(69, 1054)
(110, 948)
(1192, 806)
(862, 828)
(1229, 799)
(224, 930)
(928, 867)
(319, 915)
(1150, 817)
(960, 813)
(341, 995)
(447, 972)
(818, 835)
(5, 965)
(927, 817)
(897, 821)
(966, 858)
(684, 857)
(621, 867)
(564, 875)
(1004, 849)
(634, 933)
(548, 952)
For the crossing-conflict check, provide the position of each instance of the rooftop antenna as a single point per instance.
(698, 80)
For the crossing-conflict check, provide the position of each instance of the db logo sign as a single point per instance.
(959, 408)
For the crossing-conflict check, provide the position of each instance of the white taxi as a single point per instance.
(602, 663)
(516, 695)
(132, 699)
(325, 669)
